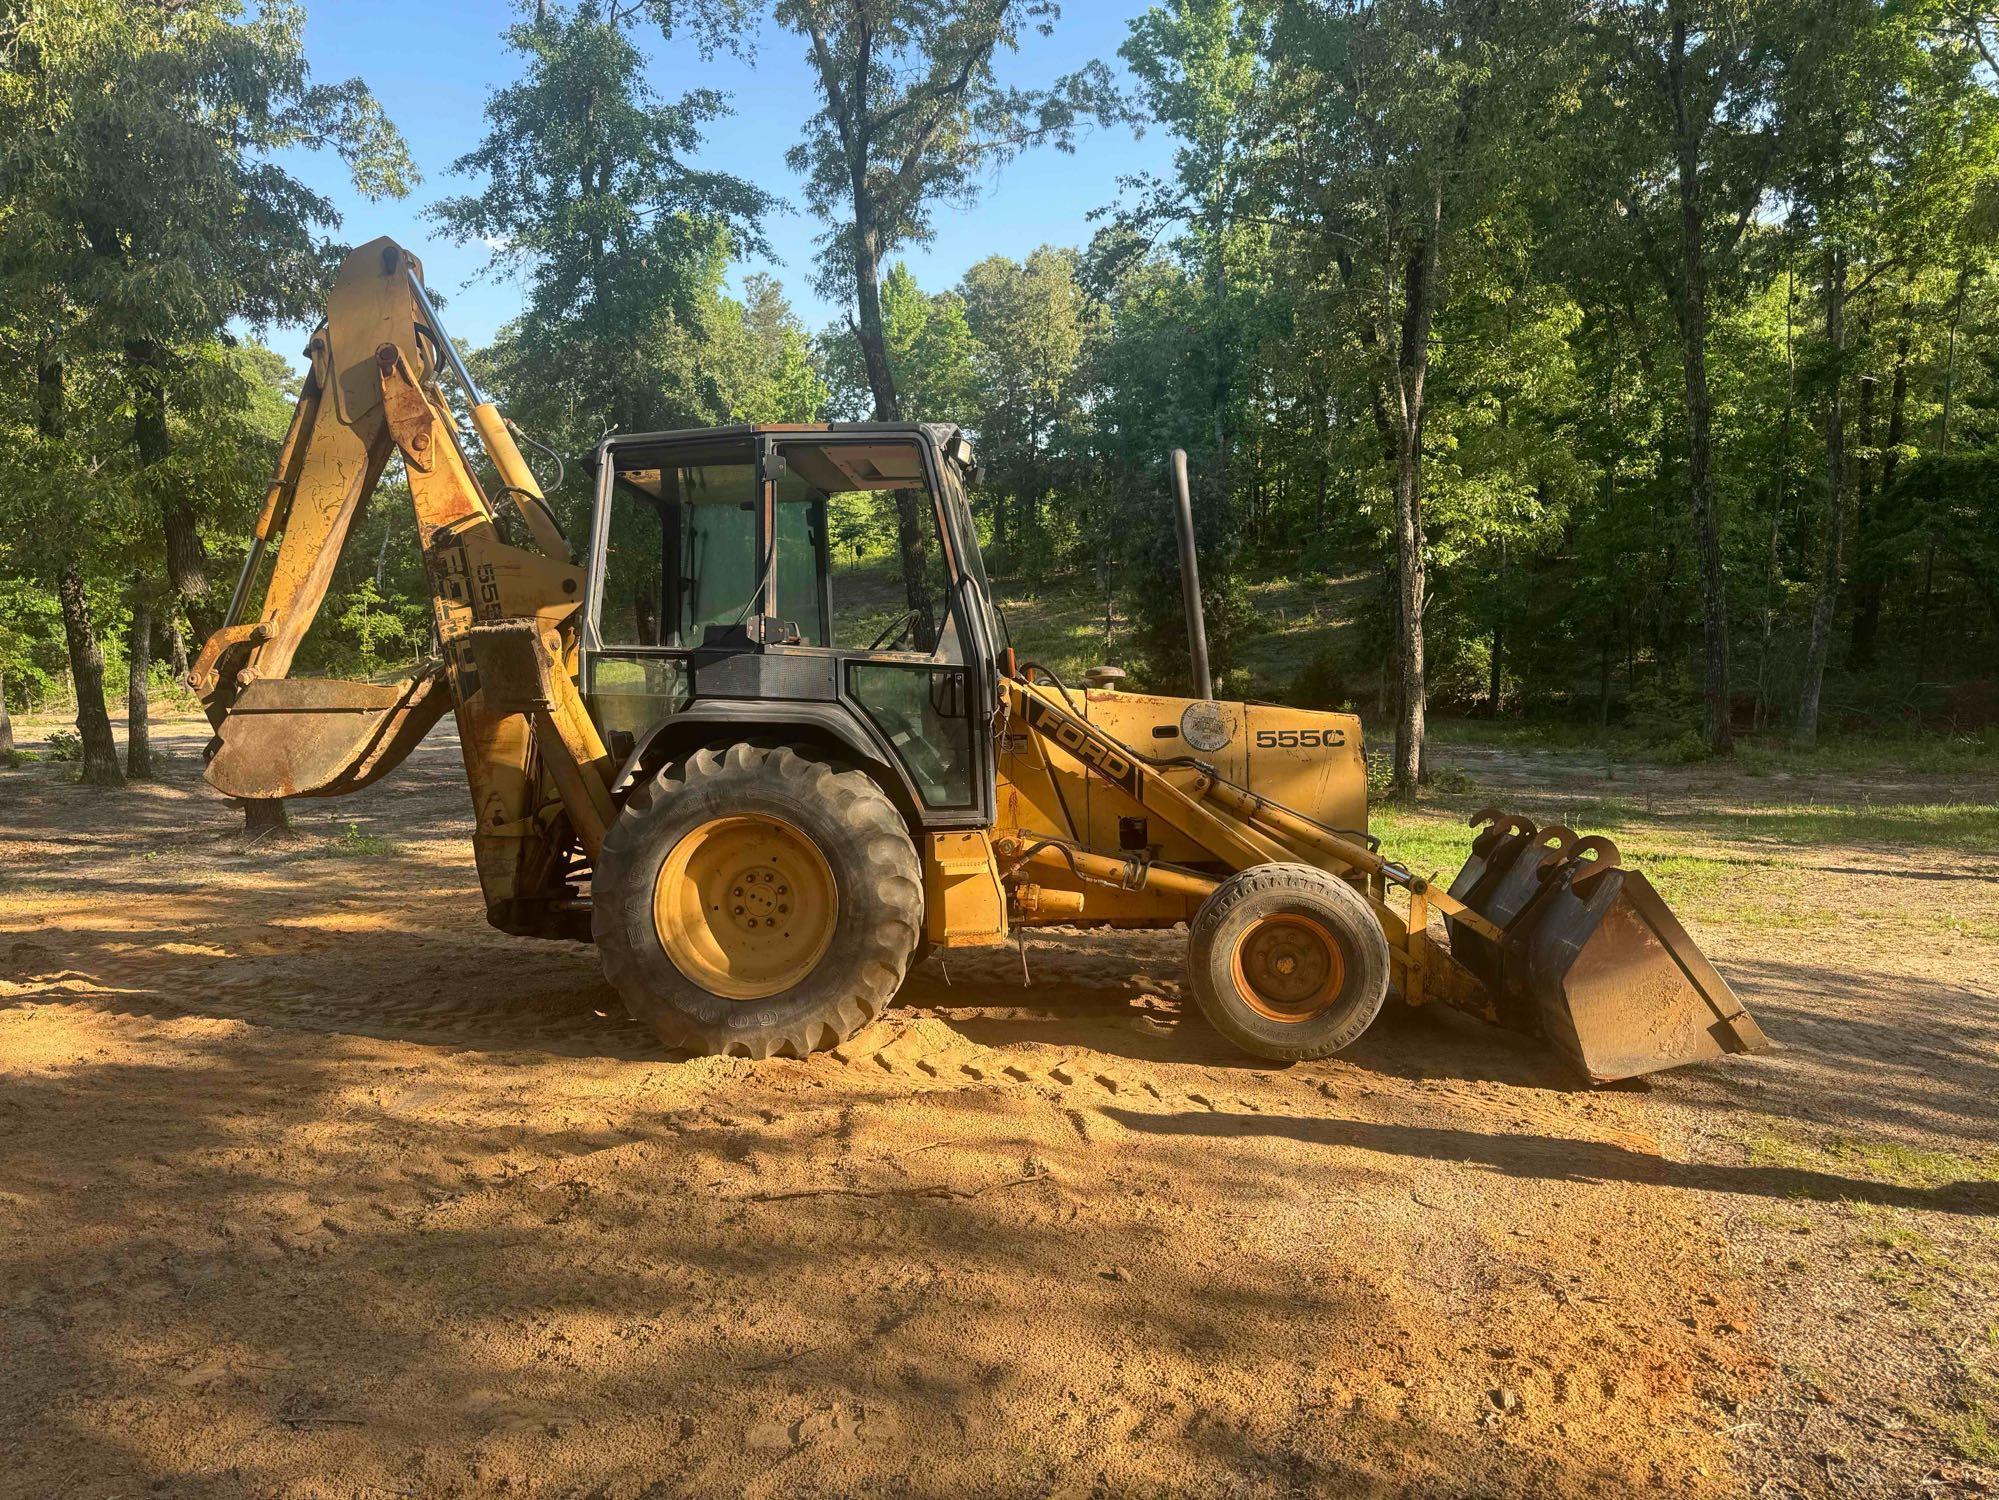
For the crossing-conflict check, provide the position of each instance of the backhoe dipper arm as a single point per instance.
(505, 615)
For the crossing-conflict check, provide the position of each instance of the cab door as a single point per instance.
(919, 676)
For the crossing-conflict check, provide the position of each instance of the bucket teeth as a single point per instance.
(1589, 955)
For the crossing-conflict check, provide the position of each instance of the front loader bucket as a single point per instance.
(320, 736)
(1595, 961)
(1498, 881)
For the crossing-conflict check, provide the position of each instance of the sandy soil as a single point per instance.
(311, 1185)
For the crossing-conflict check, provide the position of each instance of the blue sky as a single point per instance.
(432, 66)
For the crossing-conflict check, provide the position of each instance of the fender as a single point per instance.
(702, 723)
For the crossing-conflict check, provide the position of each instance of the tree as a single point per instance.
(62, 505)
(142, 186)
(1026, 321)
(769, 369)
(912, 116)
(1681, 132)
(1385, 132)
(142, 208)
(587, 191)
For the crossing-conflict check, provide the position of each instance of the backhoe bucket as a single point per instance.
(320, 736)
(1592, 958)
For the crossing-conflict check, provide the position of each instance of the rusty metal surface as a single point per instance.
(320, 736)
(1622, 989)
(1592, 958)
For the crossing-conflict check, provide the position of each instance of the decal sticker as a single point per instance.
(1300, 739)
(1092, 749)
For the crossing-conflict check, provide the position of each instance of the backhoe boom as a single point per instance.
(504, 616)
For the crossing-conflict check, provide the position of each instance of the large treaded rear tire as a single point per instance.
(874, 868)
(1335, 928)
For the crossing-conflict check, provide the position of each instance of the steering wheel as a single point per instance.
(891, 637)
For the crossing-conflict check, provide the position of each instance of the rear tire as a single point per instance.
(693, 962)
(1288, 962)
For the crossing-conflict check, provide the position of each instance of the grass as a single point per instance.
(352, 843)
(1893, 1163)
(1923, 752)
(1943, 825)
(1974, 1431)
(1736, 888)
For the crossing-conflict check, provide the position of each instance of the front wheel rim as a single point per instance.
(745, 906)
(1287, 968)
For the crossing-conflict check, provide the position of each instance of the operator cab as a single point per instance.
(751, 578)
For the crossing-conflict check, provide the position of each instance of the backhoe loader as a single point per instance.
(762, 791)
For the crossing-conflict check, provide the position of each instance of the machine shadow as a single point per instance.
(240, 1278)
(1566, 1159)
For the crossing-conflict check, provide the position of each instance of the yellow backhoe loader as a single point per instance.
(694, 741)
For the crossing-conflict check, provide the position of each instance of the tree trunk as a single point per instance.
(1603, 681)
(139, 668)
(1872, 581)
(911, 543)
(263, 819)
(1409, 726)
(869, 328)
(1716, 729)
(1493, 675)
(187, 559)
(1412, 369)
(86, 671)
(6, 720)
(1825, 605)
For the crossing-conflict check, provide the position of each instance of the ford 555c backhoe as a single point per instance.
(762, 804)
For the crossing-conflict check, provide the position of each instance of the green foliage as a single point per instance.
(31, 645)
(64, 745)
(767, 370)
(910, 102)
(1252, 306)
(381, 631)
(587, 192)
(930, 345)
(351, 843)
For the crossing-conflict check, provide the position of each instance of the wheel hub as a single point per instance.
(745, 906)
(1287, 968)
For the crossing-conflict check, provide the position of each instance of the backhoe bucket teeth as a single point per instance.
(1592, 958)
(320, 736)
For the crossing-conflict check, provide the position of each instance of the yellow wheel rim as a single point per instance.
(745, 906)
(1287, 968)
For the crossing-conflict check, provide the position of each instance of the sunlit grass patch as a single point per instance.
(351, 843)
(1974, 1431)
(1424, 840)
(1943, 825)
(1894, 1163)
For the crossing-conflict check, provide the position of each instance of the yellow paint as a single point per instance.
(963, 905)
(745, 906)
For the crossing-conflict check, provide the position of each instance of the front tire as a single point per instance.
(755, 902)
(1288, 962)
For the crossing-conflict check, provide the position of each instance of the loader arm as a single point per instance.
(505, 616)
(1546, 931)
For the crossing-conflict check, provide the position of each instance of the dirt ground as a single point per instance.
(312, 1185)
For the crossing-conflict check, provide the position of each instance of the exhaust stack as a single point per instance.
(1190, 578)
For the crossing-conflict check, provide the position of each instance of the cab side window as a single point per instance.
(841, 509)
